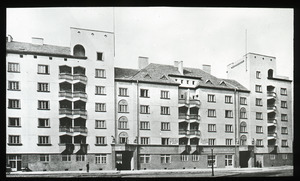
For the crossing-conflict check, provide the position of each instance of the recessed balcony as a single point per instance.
(80, 78)
(271, 95)
(194, 117)
(272, 108)
(194, 133)
(272, 122)
(272, 135)
(79, 113)
(80, 129)
(65, 111)
(65, 76)
(79, 95)
(183, 117)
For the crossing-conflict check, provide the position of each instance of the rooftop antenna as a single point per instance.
(246, 47)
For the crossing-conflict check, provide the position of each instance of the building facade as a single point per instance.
(67, 106)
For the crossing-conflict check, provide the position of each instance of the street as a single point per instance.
(250, 172)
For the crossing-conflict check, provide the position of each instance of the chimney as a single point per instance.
(9, 38)
(206, 68)
(143, 62)
(179, 65)
(37, 41)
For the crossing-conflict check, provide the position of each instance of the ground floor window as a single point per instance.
(184, 158)
(165, 158)
(195, 158)
(44, 158)
(65, 157)
(272, 157)
(80, 158)
(100, 158)
(145, 158)
(284, 156)
(211, 160)
(228, 160)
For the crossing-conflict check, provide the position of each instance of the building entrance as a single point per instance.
(15, 162)
(244, 158)
(123, 160)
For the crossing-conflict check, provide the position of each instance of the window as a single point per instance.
(123, 122)
(100, 158)
(243, 101)
(100, 107)
(228, 141)
(164, 95)
(284, 156)
(144, 158)
(100, 90)
(123, 106)
(184, 158)
(284, 117)
(211, 128)
(193, 82)
(65, 158)
(145, 125)
(44, 158)
(34, 56)
(13, 67)
(165, 141)
(259, 115)
(243, 127)
(259, 129)
(243, 113)
(144, 93)
(21, 56)
(228, 128)
(272, 157)
(258, 75)
(284, 143)
(14, 103)
(258, 88)
(284, 130)
(145, 109)
(43, 105)
(228, 114)
(187, 81)
(14, 139)
(211, 98)
(211, 141)
(182, 81)
(283, 91)
(165, 126)
(123, 92)
(13, 85)
(100, 73)
(43, 69)
(195, 158)
(100, 140)
(258, 102)
(164, 110)
(145, 140)
(211, 160)
(165, 158)
(228, 99)
(211, 113)
(43, 87)
(228, 160)
(259, 142)
(80, 158)
(44, 123)
(100, 56)
(43, 140)
(14, 122)
(243, 140)
(283, 104)
(50, 58)
(100, 124)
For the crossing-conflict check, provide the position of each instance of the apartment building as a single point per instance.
(270, 107)
(67, 106)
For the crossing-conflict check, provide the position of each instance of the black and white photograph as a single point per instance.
(149, 92)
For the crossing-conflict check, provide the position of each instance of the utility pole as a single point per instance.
(212, 162)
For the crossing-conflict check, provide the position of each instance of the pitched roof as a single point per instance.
(125, 73)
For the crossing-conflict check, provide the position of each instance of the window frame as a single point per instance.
(283, 104)
(228, 141)
(258, 88)
(211, 98)
(145, 93)
(258, 74)
(124, 90)
(228, 114)
(211, 141)
(46, 125)
(101, 141)
(164, 110)
(146, 125)
(66, 158)
(284, 130)
(100, 106)
(259, 129)
(145, 108)
(13, 69)
(230, 130)
(102, 56)
(13, 85)
(40, 87)
(211, 128)
(145, 158)
(211, 160)
(165, 159)
(284, 116)
(283, 91)
(145, 140)
(100, 124)
(243, 100)
(258, 102)
(211, 113)
(164, 94)
(165, 126)
(15, 142)
(44, 157)
(41, 105)
(42, 67)
(10, 119)
(284, 143)
(13, 102)
(44, 140)
(100, 73)
(101, 159)
(228, 99)
(259, 142)
(258, 117)
(100, 90)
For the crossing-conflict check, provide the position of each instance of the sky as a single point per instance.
(196, 36)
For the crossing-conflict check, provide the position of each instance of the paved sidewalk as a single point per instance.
(170, 171)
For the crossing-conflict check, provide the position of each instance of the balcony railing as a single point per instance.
(272, 135)
(194, 132)
(271, 94)
(182, 116)
(194, 116)
(80, 77)
(80, 129)
(67, 76)
(81, 112)
(182, 101)
(65, 93)
(67, 111)
(195, 102)
(183, 132)
(272, 108)
(80, 94)
(272, 121)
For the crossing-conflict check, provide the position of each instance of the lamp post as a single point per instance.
(212, 162)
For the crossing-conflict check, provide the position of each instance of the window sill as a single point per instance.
(14, 144)
(145, 129)
(100, 111)
(164, 114)
(13, 72)
(123, 128)
(165, 130)
(259, 133)
(14, 108)
(284, 146)
(259, 119)
(44, 127)
(212, 131)
(43, 109)
(101, 77)
(14, 89)
(283, 94)
(228, 117)
(144, 97)
(258, 105)
(212, 116)
(259, 145)
(144, 113)
(123, 112)
(243, 104)
(14, 126)
(44, 144)
(284, 107)
(100, 128)
(165, 98)
(258, 92)
(212, 101)
(228, 131)
(101, 94)
(243, 132)
(42, 91)
(43, 73)
(228, 103)
(123, 95)
(284, 133)
(243, 118)
(100, 144)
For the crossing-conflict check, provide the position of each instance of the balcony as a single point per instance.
(272, 148)
(271, 108)
(271, 95)
(182, 101)
(194, 102)
(65, 111)
(272, 122)
(183, 132)
(80, 129)
(65, 76)
(65, 94)
(194, 133)
(183, 117)
(194, 117)
(80, 77)
(272, 136)
(80, 95)
(79, 112)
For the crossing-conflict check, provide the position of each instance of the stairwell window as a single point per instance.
(43, 69)
(123, 106)
(211, 98)
(243, 113)
(243, 127)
